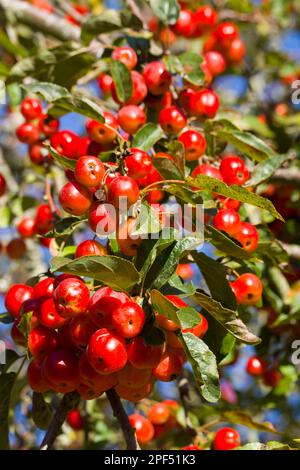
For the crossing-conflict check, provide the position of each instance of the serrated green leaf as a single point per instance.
(224, 243)
(64, 228)
(167, 168)
(244, 418)
(265, 169)
(65, 162)
(147, 136)
(214, 274)
(204, 366)
(113, 271)
(236, 192)
(228, 318)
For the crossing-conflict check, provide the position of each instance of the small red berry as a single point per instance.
(90, 248)
(27, 227)
(16, 296)
(215, 62)
(28, 133)
(60, 368)
(138, 164)
(125, 54)
(131, 118)
(123, 188)
(42, 341)
(226, 439)
(89, 171)
(159, 413)
(228, 221)
(31, 108)
(143, 428)
(255, 366)
(139, 91)
(194, 144)
(75, 198)
(71, 297)
(48, 126)
(128, 320)
(104, 82)
(247, 289)
(234, 170)
(103, 132)
(169, 366)
(205, 103)
(102, 304)
(247, 235)
(16, 248)
(75, 420)
(44, 289)
(49, 316)
(66, 143)
(106, 351)
(157, 78)
(143, 355)
(35, 378)
(172, 120)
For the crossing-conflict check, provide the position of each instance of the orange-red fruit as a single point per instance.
(90, 248)
(89, 171)
(75, 198)
(169, 367)
(131, 118)
(157, 78)
(128, 320)
(226, 439)
(143, 428)
(142, 355)
(42, 341)
(123, 188)
(125, 54)
(106, 351)
(16, 296)
(159, 413)
(247, 289)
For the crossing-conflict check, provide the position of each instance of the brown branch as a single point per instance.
(287, 175)
(69, 401)
(40, 20)
(48, 194)
(121, 416)
(184, 392)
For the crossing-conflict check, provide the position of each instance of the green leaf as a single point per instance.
(65, 102)
(246, 142)
(63, 161)
(122, 80)
(264, 170)
(147, 221)
(176, 252)
(184, 194)
(113, 271)
(6, 317)
(164, 306)
(167, 11)
(10, 358)
(228, 318)
(214, 274)
(147, 136)
(224, 243)
(24, 324)
(187, 288)
(236, 192)
(62, 65)
(191, 63)
(41, 411)
(244, 418)
(167, 168)
(64, 228)
(243, 6)
(204, 366)
(6, 385)
(188, 317)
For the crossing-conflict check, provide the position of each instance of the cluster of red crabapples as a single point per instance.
(93, 343)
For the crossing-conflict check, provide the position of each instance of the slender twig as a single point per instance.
(184, 392)
(69, 401)
(290, 175)
(48, 194)
(35, 17)
(121, 416)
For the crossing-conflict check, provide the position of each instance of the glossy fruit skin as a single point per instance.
(247, 289)
(191, 447)
(16, 295)
(81, 330)
(66, 143)
(247, 235)
(102, 218)
(128, 320)
(102, 304)
(200, 329)
(90, 377)
(38, 154)
(16, 248)
(139, 92)
(130, 377)
(255, 366)
(236, 51)
(142, 355)
(157, 78)
(131, 118)
(128, 242)
(228, 221)
(31, 306)
(159, 413)
(215, 62)
(206, 17)
(134, 394)
(44, 288)
(90, 248)
(34, 376)
(31, 108)
(27, 227)
(75, 198)
(2, 185)
(89, 171)
(123, 188)
(205, 104)
(138, 164)
(227, 203)
(60, 368)
(106, 351)
(194, 144)
(49, 316)
(104, 82)
(226, 32)
(100, 132)
(88, 393)
(28, 133)
(125, 54)
(172, 120)
(71, 297)
(42, 341)
(226, 439)
(234, 170)
(169, 367)
(208, 170)
(75, 420)
(185, 25)
(143, 428)
(48, 126)
(44, 219)
(272, 377)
